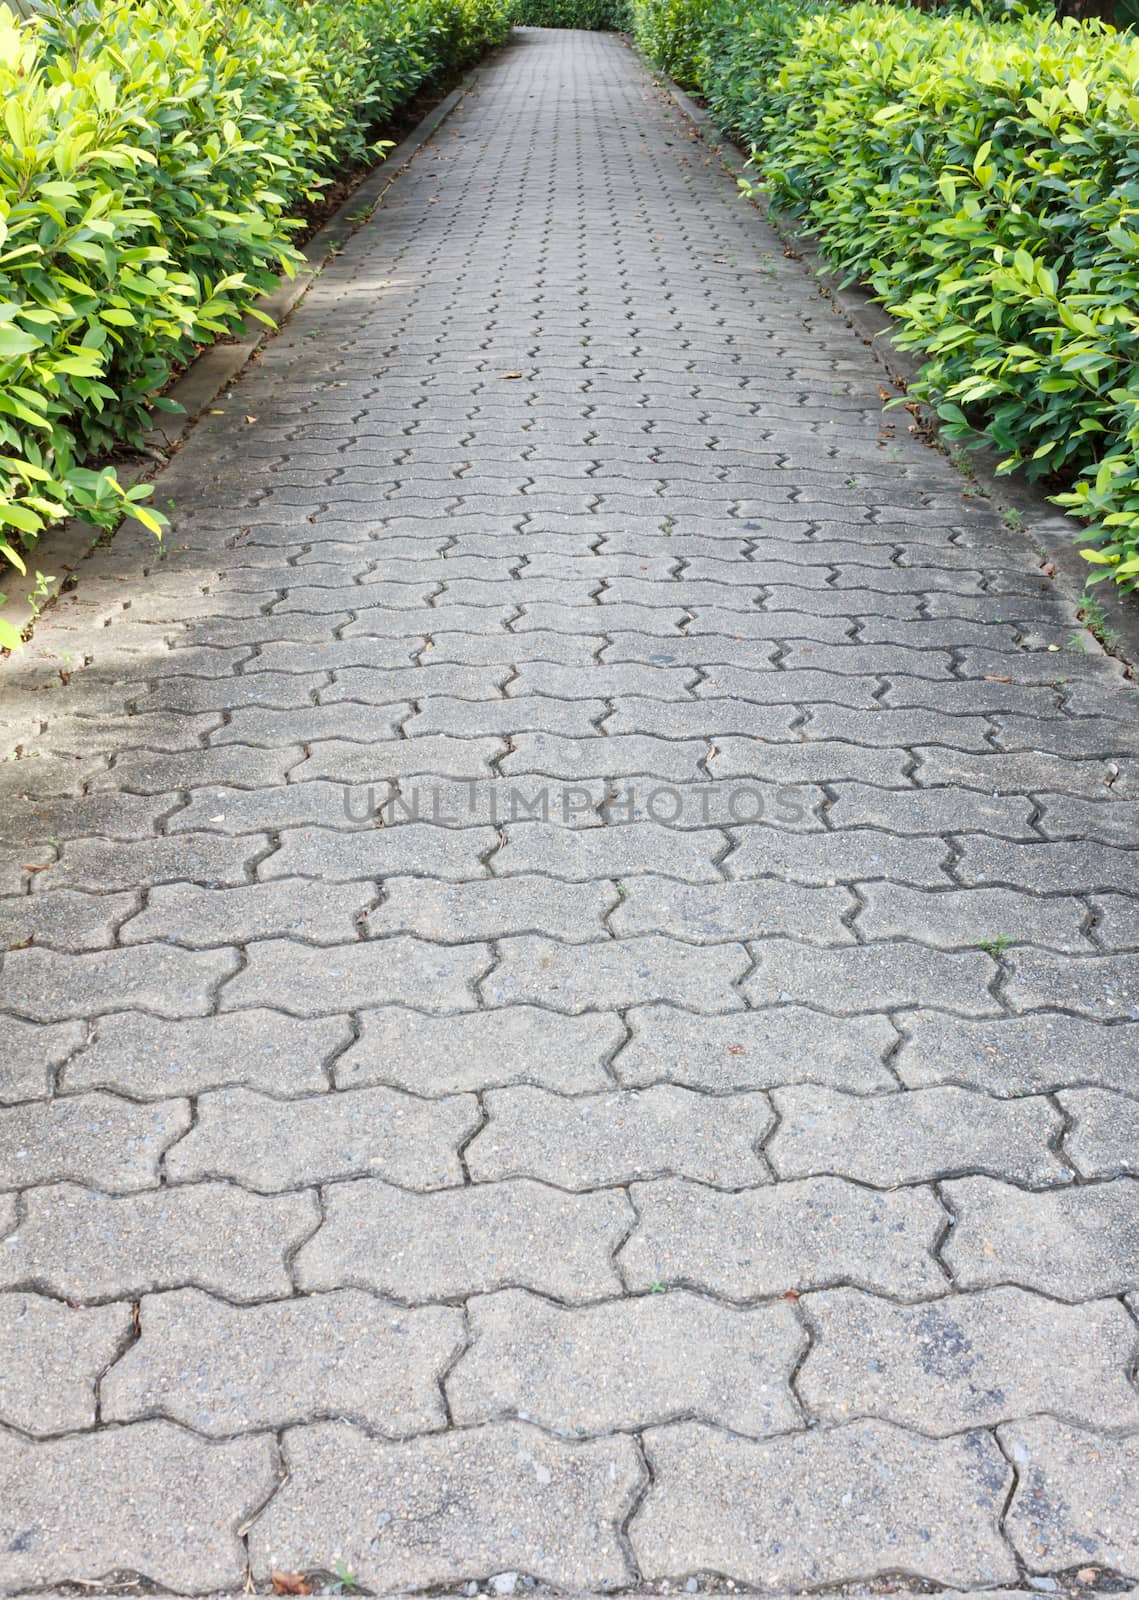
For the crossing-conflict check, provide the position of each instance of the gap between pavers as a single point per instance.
(1052, 536)
(66, 546)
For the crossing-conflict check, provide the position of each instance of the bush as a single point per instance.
(982, 177)
(154, 151)
(595, 14)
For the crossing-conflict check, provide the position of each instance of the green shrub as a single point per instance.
(982, 176)
(596, 14)
(153, 152)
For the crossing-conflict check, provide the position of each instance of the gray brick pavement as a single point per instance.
(570, 987)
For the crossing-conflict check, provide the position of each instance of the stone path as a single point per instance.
(736, 1181)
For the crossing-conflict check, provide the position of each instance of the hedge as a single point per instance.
(154, 151)
(981, 175)
(594, 14)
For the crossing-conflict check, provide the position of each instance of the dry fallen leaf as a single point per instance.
(251, 419)
(33, 866)
(288, 1583)
(994, 679)
(509, 375)
(792, 1294)
(1049, 569)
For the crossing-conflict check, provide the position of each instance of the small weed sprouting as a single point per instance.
(1013, 519)
(996, 944)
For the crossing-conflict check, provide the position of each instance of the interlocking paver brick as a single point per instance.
(231, 810)
(761, 851)
(100, 864)
(314, 981)
(149, 1059)
(383, 763)
(87, 1246)
(64, 1515)
(964, 918)
(50, 987)
(517, 714)
(443, 1055)
(931, 811)
(613, 973)
(458, 1242)
(63, 919)
(1104, 1142)
(708, 913)
(755, 1049)
(625, 848)
(1071, 1243)
(812, 1233)
(1017, 1055)
(1075, 1502)
(51, 1356)
(913, 1136)
(826, 761)
(270, 1145)
(1067, 868)
(870, 977)
(615, 1138)
(223, 1369)
(420, 848)
(967, 1361)
(96, 1138)
(492, 908)
(1101, 986)
(291, 908)
(813, 1509)
(628, 1364)
(621, 755)
(433, 1511)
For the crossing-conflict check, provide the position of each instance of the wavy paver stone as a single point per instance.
(51, 1355)
(913, 1136)
(962, 918)
(481, 1049)
(821, 1508)
(762, 851)
(621, 1136)
(96, 1138)
(223, 1369)
(149, 1059)
(204, 858)
(812, 1233)
(65, 1515)
(63, 919)
(30, 1055)
(492, 908)
(1105, 987)
(87, 1246)
(1017, 1055)
(968, 1360)
(870, 977)
(271, 1145)
(628, 1364)
(186, 914)
(451, 1243)
(755, 1049)
(439, 1510)
(711, 913)
(350, 977)
(1072, 1243)
(412, 847)
(612, 852)
(613, 973)
(1104, 1143)
(46, 987)
(1076, 1501)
